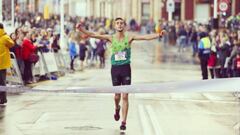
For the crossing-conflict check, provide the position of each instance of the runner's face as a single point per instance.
(119, 25)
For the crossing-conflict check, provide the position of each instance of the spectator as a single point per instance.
(27, 50)
(5, 62)
(82, 52)
(204, 51)
(194, 41)
(101, 46)
(72, 50)
(17, 50)
(182, 35)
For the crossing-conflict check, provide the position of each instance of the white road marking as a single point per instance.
(187, 100)
(237, 126)
(144, 121)
(153, 118)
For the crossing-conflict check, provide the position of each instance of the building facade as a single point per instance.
(141, 10)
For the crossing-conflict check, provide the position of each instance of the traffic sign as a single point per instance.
(223, 6)
(170, 6)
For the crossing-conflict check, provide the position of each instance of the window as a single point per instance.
(145, 11)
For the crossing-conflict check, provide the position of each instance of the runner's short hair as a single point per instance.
(119, 18)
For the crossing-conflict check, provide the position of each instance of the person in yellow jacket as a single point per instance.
(5, 61)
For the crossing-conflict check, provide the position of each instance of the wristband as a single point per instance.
(160, 34)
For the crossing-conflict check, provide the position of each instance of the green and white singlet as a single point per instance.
(121, 51)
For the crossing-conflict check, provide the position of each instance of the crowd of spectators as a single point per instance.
(36, 34)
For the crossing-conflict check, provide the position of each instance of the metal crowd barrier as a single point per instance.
(48, 63)
(14, 75)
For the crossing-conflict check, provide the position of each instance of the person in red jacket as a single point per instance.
(27, 49)
(212, 63)
(237, 65)
(17, 50)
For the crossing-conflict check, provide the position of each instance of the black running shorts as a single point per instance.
(121, 75)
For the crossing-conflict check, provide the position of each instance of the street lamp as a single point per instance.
(12, 22)
(62, 22)
(1, 15)
(215, 13)
(215, 9)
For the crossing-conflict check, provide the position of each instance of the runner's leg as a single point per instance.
(116, 82)
(126, 80)
(117, 106)
(117, 99)
(125, 105)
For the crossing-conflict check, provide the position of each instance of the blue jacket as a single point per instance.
(72, 49)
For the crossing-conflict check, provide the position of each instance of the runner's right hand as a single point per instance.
(79, 25)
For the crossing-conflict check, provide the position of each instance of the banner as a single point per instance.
(40, 68)
(46, 12)
(13, 73)
(50, 62)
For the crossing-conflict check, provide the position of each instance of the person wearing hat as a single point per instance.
(204, 50)
(5, 61)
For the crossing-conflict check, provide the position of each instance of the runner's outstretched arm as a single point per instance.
(148, 36)
(93, 34)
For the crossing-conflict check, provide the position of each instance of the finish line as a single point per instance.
(213, 85)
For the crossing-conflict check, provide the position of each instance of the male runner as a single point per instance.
(120, 60)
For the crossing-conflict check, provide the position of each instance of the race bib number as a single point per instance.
(120, 56)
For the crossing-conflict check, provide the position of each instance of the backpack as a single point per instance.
(33, 58)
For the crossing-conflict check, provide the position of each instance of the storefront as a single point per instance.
(177, 14)
(202, 11)
(199, 10)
